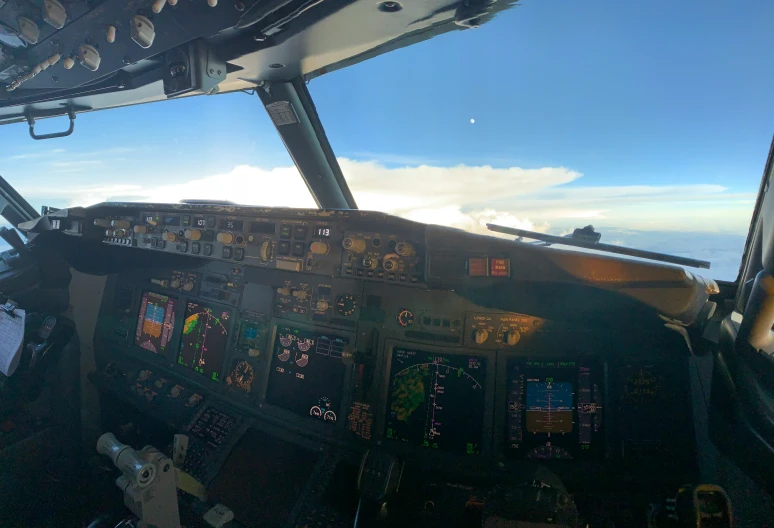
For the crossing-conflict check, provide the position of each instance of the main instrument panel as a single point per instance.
(335, 332)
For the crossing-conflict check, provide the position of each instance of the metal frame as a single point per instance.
(13, 207)
(308, 145)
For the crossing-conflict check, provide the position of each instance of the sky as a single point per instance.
(651, 121)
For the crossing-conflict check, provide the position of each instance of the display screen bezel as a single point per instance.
(227, 350)
(548, 351)
(568, 374)
(290, 417)
(438, 457)
(171, 342)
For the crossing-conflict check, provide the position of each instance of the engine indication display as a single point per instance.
(155, 322)
(554, 409)
(204, 339)
(436, 400)
(307, 373)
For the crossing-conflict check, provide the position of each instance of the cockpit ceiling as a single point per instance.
(101, 56)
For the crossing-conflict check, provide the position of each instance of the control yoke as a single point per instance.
(148, 480)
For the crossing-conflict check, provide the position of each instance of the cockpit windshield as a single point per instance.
(647, 121)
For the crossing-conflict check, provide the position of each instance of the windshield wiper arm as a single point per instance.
(589, 239)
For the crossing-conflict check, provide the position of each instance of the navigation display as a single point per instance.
(155, 322)
(554, 409)
(436, 400)
(307, 373)
(204, 339)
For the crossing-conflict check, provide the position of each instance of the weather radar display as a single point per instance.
(204, 339)
(155, 322)
(436, 400)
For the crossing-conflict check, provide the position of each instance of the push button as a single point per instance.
(284, 248)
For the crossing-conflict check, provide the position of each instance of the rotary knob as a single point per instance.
(175, 283)
(169, 236)
(225, 238)
(285, 292)
(102, 222)
(140, 229)
(355, 245)
(322, 305)
(370, 262)
(121, 224)
(265, 251)
(320, 248)
(193, 234)
(188, 286)
(390, 263)
(511, 337)
(299, 294)
(404, 249)
(480, 335)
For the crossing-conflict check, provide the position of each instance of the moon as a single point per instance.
(472, 121)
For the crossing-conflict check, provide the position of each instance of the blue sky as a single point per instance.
(644, 118)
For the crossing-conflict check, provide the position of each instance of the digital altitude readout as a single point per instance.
(155, 322)
(436, 400)
(204, 339)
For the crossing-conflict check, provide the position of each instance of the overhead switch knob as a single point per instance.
(193, 234)
(54, 13)
(89, 57)
(225, 238)
(480, 335)
(143, 31)
(169, 236)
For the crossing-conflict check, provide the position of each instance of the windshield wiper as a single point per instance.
(589, 239)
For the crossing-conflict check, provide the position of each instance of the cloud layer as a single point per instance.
(548, 199)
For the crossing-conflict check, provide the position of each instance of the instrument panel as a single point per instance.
(317, 328)
(321, 246)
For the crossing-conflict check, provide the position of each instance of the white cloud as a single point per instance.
(462, 196)
(36, 154)
(549, 199)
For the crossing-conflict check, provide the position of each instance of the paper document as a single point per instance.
(11, 338)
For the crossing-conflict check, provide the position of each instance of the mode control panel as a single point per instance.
(334, 302)
(303, 245)
(382, 257)
(493, 331)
